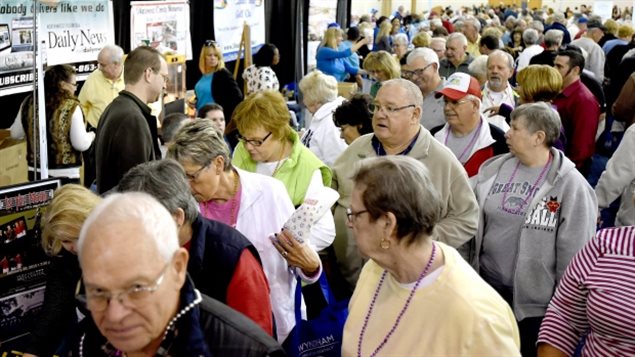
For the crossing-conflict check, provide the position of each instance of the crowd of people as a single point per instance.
(474, 167)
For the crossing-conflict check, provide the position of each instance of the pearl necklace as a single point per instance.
(535, 184)
(401, 313)
(170, 327)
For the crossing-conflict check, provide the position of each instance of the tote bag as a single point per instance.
(321, 336)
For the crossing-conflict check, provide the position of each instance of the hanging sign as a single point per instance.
(71, 31)
(164, 25)
(229, 18)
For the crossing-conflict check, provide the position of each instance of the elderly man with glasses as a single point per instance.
(141, 300)
(397, 131)
(422, 69)
(102, 85)
(470, 137)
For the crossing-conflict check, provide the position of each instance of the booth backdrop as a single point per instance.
(288, 31)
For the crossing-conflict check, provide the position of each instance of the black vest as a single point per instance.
(215, 249)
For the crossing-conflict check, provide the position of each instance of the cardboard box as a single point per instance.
(13, 166)
(346, 90)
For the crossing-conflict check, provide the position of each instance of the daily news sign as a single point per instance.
(71, 31)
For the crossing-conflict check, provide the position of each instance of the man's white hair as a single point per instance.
(427, 54)
(152, 218)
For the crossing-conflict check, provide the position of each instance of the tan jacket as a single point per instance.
(459, 212)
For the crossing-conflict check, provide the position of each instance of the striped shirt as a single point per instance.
(596, 295)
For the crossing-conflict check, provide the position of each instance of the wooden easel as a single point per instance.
(245, 44)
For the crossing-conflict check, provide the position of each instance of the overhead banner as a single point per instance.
(229, 18)
(164, 25)
(71, 31)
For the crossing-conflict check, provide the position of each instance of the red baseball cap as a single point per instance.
(458, 85)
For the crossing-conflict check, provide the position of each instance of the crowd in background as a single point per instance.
(474, 162)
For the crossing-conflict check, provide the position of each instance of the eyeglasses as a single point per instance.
(194, 176)
(73, 84)
(352, 215)
(166, 77)
(253, 142)
(454, 103)
(132, 298)
(388, 109)
(211, 43)
(416, 73)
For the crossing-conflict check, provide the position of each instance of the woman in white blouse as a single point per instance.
(65, 128)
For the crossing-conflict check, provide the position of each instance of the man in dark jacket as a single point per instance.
(127, 133)
(140, 298)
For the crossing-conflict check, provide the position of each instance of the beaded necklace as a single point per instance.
(535, 185)
(469, 145)
(401, 313)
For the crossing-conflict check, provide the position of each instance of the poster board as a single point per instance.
(71, 31)
(229, 18)
(604, 9)
(22, 259)
(164, 25)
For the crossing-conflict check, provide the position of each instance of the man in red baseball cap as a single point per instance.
(467, 134)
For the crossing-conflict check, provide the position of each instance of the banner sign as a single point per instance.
(229, 18)
(23, 262)
(164, 25)
(71, 31)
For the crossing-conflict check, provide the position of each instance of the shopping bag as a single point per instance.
(323, 335)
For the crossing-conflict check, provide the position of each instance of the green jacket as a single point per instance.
(295, 172)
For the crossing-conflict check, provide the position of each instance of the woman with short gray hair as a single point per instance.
(256, 205)
(410, 274)
(320, 97)
(536, 212)
(223, 263)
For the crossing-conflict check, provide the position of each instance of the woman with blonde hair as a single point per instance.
(269, 146)
(216, 85)
(538, 83)
(332, 61)
(381, 66)
(382, 40)
(61, 225)
(421, 39)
